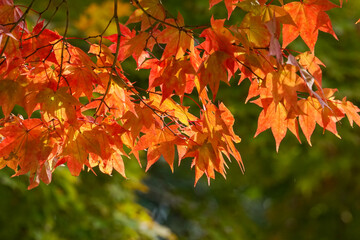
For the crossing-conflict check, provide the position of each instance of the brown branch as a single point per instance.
(51, 18)
(113, 67)
(64, 42)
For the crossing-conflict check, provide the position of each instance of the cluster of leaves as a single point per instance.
(83, 111)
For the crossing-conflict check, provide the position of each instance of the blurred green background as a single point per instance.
(302, 192)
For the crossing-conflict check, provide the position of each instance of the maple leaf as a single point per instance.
(11, 93)
(284, 84)
(256, 31)
(14, 133)
(106, 166)
(351, 111)
(72, 55)
(268, 12)
(142, 119)
(104, 56)
(81, 141)
(210, 140)
(146, 12)
(177, 40)
(179, 112)
(36, 46)
(207, 157)
(254, 90)
(218, 37)
(219, 121)
(208, 75)
(308, 120)
(110, 154)
(9, 47)
(222, 116)
(109, 151)
(311, 63)
(126, 35)
(253, 67)
(74, 153)
(275, 117)
(309, 17)
(59, 104)
(26, 147)
(8, 12)
(119, 100)
(159, 141)
(206, 160)
(137, 46)
(310, 81)
(174, 76)
(131, 43)
(314, 112)
(81, 80)
(118, 163)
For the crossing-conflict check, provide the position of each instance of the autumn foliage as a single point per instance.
(83, 111)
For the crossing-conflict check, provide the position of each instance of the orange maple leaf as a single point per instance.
(160, 141)
(132, 44)
(311, 63)
(11, 93)
(275, 117)
(81, 141)
(59, 104)
(175, 75)
(309, 17)
(256, 31)
(177, 40)
(210, 140)
(180, 113)
(147, 8)
(110, 151)
(211, 75)
(218, 37)
(284, 84)
(143, 118)
(352, 111)
(313, 112)
(81, 80)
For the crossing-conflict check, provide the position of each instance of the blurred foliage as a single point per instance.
(95, 18)
(301, 192)
(85, 207)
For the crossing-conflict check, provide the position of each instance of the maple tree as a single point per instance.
(82, 110)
